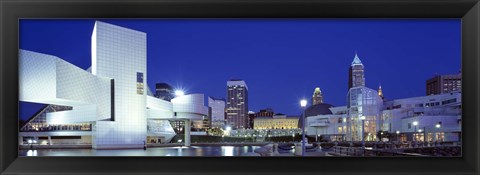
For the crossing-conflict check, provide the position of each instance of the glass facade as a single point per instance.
(363, 102)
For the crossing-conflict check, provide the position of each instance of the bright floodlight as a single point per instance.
(398, 132)
(179, 93)
(415, 123)
(29, 141)
(419, 130)
(228, 128)
(437, 125)
(303, 103)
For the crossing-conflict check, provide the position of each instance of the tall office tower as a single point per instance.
(237, 103)
(217, 116)
(267, 112)
(164, 91)
(356, 76)
(317, 97)
(444, 84)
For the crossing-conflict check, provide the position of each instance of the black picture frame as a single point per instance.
(11, 11)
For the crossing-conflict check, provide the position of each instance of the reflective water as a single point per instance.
(158, 151)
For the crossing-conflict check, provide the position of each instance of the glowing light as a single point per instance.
(179, 93)
(228, 128)
(362, 118)
(419, 130)
(303, 103)
(415, 123)
(398, 132)
(437, 125)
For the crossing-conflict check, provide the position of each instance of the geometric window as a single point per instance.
(139, 83)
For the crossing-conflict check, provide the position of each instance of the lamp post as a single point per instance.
(293, 138)
(303, 104)
(398, 132)
(438, 125)
(363, 131)
(424, 134)
(415, 123)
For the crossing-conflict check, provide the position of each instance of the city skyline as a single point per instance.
(293, 82)
(110, 106)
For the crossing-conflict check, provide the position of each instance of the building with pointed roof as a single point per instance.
(356, 75)
(380, 92)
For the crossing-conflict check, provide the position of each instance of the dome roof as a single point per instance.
(314, 110)
(318, 109)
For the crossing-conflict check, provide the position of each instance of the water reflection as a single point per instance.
(159, 151)
(227, 150)
(32, 153)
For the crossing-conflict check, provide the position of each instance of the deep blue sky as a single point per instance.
(281, 60)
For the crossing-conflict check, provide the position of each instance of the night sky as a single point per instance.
(281, 60)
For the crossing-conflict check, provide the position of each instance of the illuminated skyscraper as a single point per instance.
(356, 76)
(237, 103)
(317, 97)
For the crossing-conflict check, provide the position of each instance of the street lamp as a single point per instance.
(438, 125)
(363, 131)
(398, 132)
(293, 138)
(303, 104)
(415, 123)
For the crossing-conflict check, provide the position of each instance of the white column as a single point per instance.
(49, 140)
(187, 132)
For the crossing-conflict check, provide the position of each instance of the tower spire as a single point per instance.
(380, 92)
(356, 60)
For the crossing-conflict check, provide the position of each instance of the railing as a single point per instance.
(360, 152)
(399, 149)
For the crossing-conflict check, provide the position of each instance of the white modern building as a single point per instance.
(438, 117)
(329, 126)
(111, 96)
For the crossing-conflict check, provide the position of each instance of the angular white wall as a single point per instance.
(120, 53)
(51, 80)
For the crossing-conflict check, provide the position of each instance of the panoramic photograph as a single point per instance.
(240, 87)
